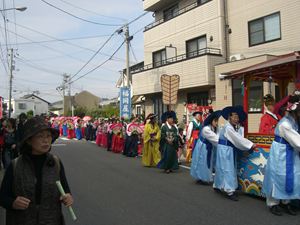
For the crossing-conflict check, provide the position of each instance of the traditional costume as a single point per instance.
(271, 117)
(169, 142)
(78, 130)
(70, 130)
(132, 139)
(99, 135)
(65, 129)
(231, 139)
(117, 139)
(151, 153)
(192, 135)
(205, 149)
(282, 174)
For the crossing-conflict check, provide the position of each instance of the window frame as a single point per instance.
(168, 9)
(22, 104)
(161, 62)
(191, 40)
(264, 35)
(261, 97)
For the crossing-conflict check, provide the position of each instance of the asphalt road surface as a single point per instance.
(111, 189)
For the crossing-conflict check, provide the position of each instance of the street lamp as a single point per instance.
(22, 9)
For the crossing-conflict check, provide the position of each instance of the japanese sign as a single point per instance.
(125, 103)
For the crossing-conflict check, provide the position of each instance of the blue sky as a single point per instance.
(39, 66)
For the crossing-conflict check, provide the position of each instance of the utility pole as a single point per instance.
(128, 38)
(11, 68)
(65, 81)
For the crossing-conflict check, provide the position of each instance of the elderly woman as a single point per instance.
(28, 191)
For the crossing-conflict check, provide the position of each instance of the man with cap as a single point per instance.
(28, 191)
(282, 175)
(271, 117)
(231, 139)
(151, 153)
(193, 134)
(203, 154)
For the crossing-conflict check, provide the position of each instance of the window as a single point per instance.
(171, 12)
(264, 29)
(199, 98)
(22, 106)
(196, 46)
(159, 58)
(255, 103)
(158, 106)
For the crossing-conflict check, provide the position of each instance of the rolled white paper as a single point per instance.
(62, 192)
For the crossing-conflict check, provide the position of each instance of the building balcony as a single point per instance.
(195, 71)
(178, 13)
(153, 5)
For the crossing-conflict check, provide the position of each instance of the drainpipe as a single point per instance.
(226, 29)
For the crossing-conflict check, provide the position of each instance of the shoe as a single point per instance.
(234, 197)
(276, 210)
(288, 209)
(217, 190)
(201, 182)
(167, 171)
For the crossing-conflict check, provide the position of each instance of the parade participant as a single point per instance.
(132, 138)
(282, 175)
(110, 133)
(65, 128)
(181, 144)
(271, 117)
(70, 129)
(169, 141)
(104, 134)
(151, 153)
(231, 140)
(193, 134)
(28, 191)
(203, 154)
(10, 142)
(78, 130)
(99, 134)
(117, 139)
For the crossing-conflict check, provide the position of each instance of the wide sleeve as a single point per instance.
(237, 139)
(264, 126)
(290, 135)
(211, 136)
(127, 130)
(279, 104)
(189, 131)
(147, 133)
(158, 133)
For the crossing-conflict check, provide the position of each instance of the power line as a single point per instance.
(15, 19)
(80, 18)
(62, 39)
(90, 11)
(66, 42)
(132, 52)
(93, 56)
(115, 52)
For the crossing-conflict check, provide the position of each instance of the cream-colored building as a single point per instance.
(258, 31)
(186, 38)
(201, 40)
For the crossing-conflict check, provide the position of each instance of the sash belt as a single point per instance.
(209, 148)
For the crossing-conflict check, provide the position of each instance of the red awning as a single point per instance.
(278, 68)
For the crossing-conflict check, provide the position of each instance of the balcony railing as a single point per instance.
(180, 12)
(179, 58)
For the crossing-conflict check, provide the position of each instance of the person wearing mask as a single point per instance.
(282, 174)
(28, 191)
(203, 155)
(169, 142)
(231, 140)
(151, 153)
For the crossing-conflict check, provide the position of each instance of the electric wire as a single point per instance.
(80, 18)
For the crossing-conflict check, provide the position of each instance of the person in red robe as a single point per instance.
(271, 117)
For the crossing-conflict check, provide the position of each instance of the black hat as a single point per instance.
(197, 112)
(211, 117)
(234, 109)
(34, 126)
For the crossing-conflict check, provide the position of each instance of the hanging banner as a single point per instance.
(125, 102)
(169, 87)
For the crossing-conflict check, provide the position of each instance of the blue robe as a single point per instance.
(203, 157)
(65, 130)
(282, 175)
(226, 165)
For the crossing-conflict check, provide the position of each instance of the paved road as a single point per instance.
(110, 189)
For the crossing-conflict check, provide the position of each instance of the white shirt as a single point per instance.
(190, 129)
(272, 114)
(237, 138)
(290, 135)
(211, 136)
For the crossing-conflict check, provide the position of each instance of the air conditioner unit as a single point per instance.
(236, 57)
